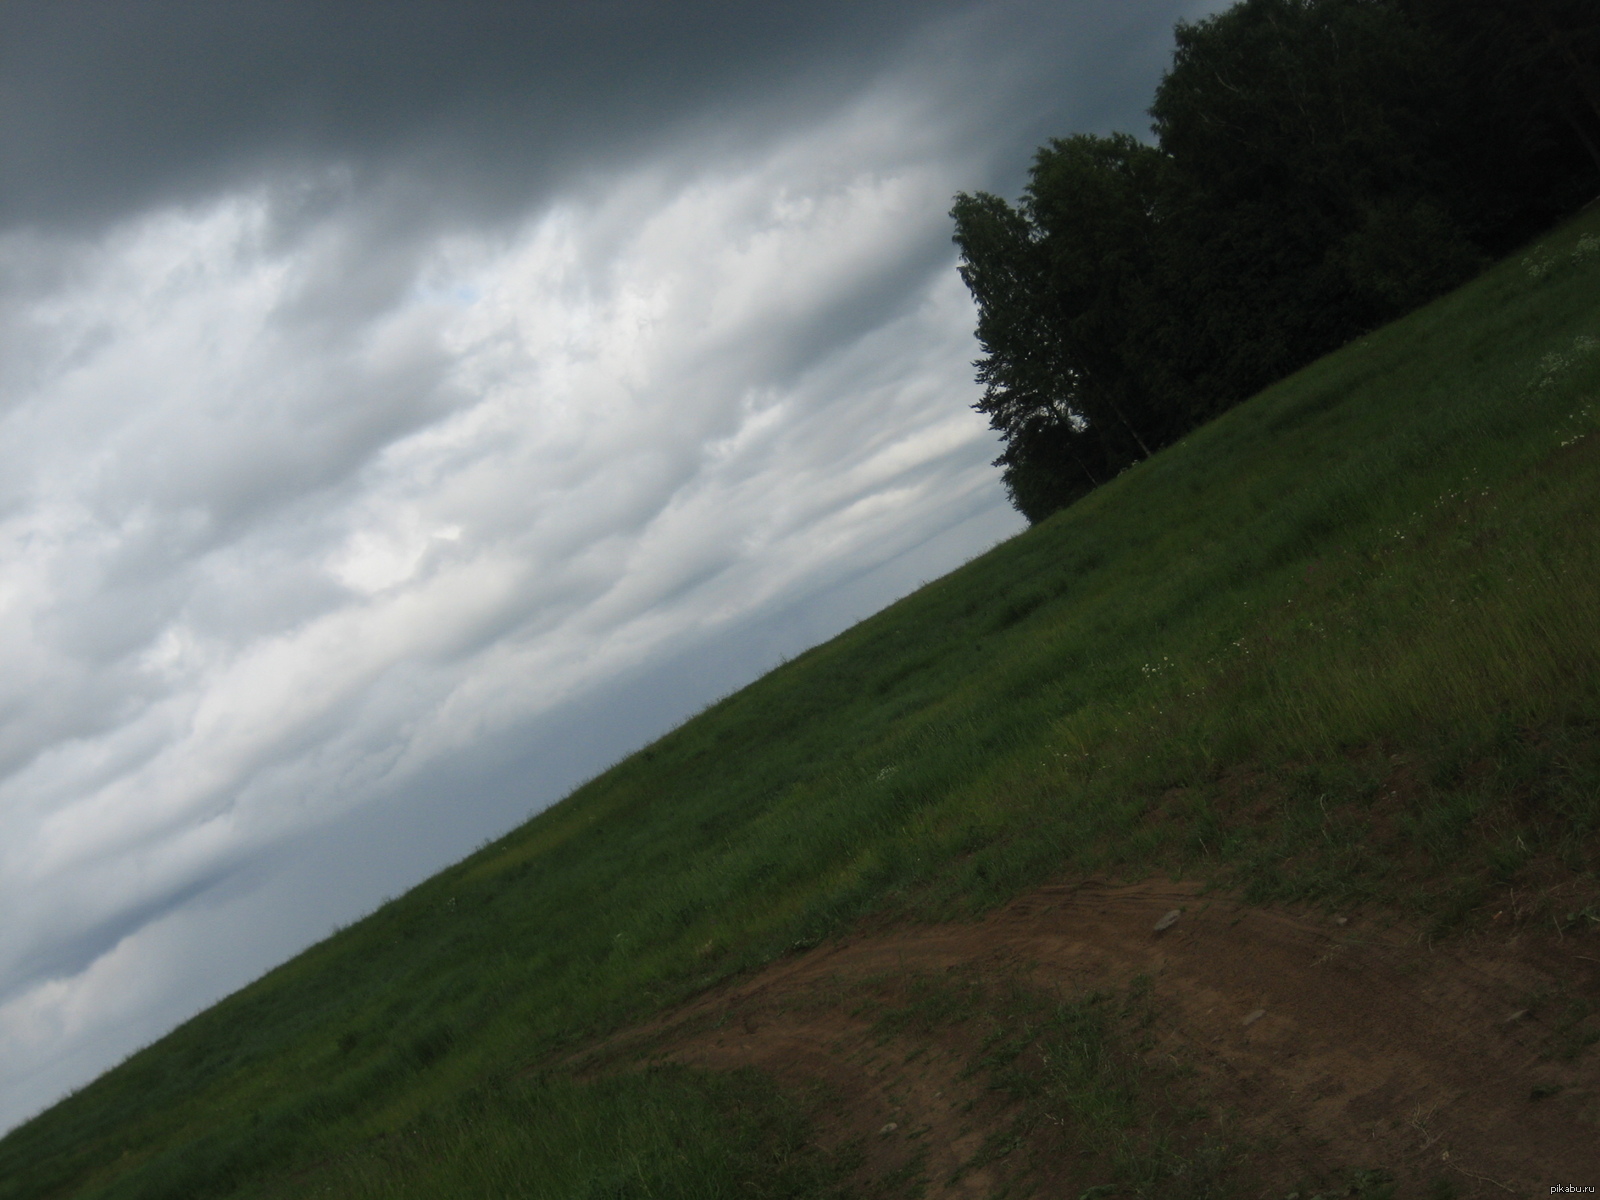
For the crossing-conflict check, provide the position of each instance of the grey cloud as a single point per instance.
(68, 954)
(111, 105)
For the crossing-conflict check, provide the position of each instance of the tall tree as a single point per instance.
(1319, 203)
(1061, 284)
(1529, 76)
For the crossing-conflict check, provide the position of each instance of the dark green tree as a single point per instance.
(1062, 285)
(1529, 77)
(1319, 201)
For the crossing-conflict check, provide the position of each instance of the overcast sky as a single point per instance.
(408, 409)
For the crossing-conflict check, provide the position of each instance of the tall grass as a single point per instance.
(1340, 644)
(663, 1134)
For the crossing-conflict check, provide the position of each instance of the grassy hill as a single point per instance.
(1342, 646)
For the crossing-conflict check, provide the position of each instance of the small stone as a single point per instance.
(1168, 921)
(888, 1129)
(1341, 920)
(1253, 1017)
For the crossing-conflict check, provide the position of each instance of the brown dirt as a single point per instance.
(1459, 1064)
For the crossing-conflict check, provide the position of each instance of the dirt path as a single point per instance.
(1338, 1043)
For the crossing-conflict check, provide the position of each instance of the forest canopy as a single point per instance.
(1319, 167)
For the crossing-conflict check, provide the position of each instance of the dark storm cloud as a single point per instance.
(109, 105)
(78, 948)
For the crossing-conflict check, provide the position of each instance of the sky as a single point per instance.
(408, 409)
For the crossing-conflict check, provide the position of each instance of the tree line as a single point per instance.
(1319, 167)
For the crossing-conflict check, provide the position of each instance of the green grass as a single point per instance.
(664, 1134)
(1338, 646)
(1087, 1093)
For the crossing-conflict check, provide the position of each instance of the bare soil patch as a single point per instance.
(1326, 1045)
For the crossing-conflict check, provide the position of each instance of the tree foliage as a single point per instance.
(1319, 168)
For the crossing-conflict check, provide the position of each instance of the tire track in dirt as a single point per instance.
(1337, 1042)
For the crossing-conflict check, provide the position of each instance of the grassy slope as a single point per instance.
(1340, 644)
